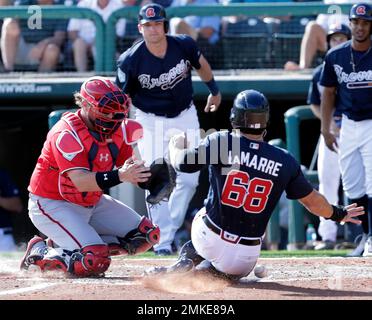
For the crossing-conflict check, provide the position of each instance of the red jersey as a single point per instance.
(70, 145)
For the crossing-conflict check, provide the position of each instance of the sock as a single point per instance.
(365, 202)
(369, 213)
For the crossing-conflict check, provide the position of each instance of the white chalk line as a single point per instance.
(27, 289)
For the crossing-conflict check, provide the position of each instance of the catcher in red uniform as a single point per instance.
(86, 153)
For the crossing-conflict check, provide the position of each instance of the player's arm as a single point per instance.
(205, 73)
(133, 171)
(317, 204)
(183, 159)
(326, 110)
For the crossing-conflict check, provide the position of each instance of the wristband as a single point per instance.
(339, 213)
(108, 179)
(212, 86)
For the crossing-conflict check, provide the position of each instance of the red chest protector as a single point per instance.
(102, 156)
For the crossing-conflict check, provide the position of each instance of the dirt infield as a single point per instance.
(289, 278)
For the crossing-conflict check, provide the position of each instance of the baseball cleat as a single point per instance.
(163, 252)
(36, 249)
(325, 245)
(181, 266)
(358, 251)
(368, 248)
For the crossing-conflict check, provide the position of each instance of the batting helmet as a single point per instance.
(107, 104)
(361, 11)
(250, 111)
(338, 28)
(153, 12)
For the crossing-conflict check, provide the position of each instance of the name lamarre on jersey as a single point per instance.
(256, 162)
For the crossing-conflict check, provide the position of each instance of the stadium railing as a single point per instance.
(275, 39)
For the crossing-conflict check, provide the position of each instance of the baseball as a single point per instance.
(260, 271)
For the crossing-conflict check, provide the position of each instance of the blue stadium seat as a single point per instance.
(245, 44)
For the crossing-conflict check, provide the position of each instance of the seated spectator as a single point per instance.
(27, 44)
(314, 40)
(10, 202)
(82, 32)
(163, 3)
(195, 26)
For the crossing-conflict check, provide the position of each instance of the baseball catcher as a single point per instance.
(161, 183)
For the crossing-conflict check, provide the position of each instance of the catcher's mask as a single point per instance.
(250, 112)
(153, 12)
(107, 105)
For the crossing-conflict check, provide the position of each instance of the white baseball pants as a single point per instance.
(169, 216)
(329, 182)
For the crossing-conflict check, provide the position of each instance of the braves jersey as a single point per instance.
(247, 178)
(315, 93)
(350, 72)
(70, 145)
(161, 86)
(7, 190)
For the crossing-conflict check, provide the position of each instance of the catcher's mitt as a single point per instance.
(161, 183)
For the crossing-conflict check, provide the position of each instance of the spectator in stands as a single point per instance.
(163, 3)
(314, 39)
(10, 202)
(82, 32)
(32, 42)
(197, 27)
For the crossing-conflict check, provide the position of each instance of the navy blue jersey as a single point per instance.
(352, 80)
(315, 89)
(159, 85)
(247, 178)
(7, 190)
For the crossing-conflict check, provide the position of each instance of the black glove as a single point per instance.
(339, 213)
(161, 183)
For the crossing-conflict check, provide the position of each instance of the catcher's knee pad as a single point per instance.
(138, 240)
(90, 260)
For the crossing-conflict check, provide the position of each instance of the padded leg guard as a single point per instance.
(90, 261)
(138, 240)
(52, 264)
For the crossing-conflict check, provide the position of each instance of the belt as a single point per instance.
(170, 115)
(221, 233)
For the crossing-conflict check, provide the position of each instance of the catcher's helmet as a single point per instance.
(338, 28)
(250, 111)
(361, 11)
(107, 104)
(153, 12)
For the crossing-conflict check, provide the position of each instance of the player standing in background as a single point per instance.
(328, 169)
(346, 78)
(10, 202)
(247, 178)
(79, 160)
(156, 73)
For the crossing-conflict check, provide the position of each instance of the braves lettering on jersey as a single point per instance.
(351, 72)
(246, 182)
(70, 145)
(160, 86)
